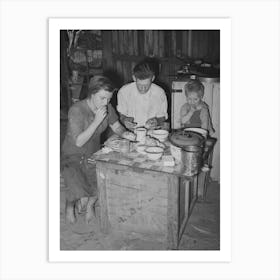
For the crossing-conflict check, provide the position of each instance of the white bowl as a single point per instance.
(154, 153)
(160, 134)
(199, 130)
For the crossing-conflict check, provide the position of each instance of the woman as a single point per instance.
(87, 119)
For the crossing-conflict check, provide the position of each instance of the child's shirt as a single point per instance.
(197, 117)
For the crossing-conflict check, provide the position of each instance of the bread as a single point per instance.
(129, 136)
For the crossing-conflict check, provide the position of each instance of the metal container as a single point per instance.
(124, 146)
(187, 147)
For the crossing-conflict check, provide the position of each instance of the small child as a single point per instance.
(195, 112)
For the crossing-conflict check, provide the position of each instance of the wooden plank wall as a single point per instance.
(124, 48)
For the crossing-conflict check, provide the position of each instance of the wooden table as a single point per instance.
(142, 196)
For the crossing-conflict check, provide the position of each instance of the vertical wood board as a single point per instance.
(137, 202)
(173, 212)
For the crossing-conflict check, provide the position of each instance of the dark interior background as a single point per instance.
(115, 53)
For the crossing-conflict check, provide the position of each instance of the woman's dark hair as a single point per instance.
(143, 71)
(194, 86)
(98, 83)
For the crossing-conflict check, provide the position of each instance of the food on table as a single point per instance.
(117, 144)
(154, 153)
(129, 136)
(114, 144)
(150, 141)
(168, 160)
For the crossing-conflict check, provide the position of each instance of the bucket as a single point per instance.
(187, 149)
(192, 160)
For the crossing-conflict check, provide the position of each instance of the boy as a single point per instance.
(195, 112)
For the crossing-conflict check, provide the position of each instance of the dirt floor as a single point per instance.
(201, 233)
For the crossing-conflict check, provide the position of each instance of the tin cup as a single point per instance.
(141, 134)
(124, 146)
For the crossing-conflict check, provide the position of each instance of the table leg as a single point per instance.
(203, 179)
(187, 209)
(173, 213)
(102, 197)
(201, 185)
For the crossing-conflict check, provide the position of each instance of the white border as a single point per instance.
(55, 255)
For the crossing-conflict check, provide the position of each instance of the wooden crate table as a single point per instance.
(143, 196)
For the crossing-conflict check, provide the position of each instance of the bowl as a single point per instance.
(160, 134)
(154, 153)
(140, 133)
(199, 130)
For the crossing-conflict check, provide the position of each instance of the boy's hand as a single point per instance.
(192, 109)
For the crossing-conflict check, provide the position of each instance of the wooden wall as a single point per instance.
(170, 49)
(123, 49)
(167, 49)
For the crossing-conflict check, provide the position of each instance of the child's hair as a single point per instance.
(98, 83)
(194, 86)
(143, 71)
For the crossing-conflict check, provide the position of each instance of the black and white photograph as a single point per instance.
(139, 139)
(130, 139)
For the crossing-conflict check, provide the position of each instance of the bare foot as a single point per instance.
(90, 209)
(70, 213)
(81, 205)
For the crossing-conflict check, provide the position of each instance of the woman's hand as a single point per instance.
(83, 137)
(100, 115)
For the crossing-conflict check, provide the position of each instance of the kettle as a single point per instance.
(187, 148)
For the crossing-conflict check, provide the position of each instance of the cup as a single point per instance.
(141, 134)
(124, 146)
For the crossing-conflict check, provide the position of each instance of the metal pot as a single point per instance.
(187, 148)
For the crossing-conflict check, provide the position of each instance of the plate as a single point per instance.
(201, 131)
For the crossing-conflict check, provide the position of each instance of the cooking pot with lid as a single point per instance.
(187, 148)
